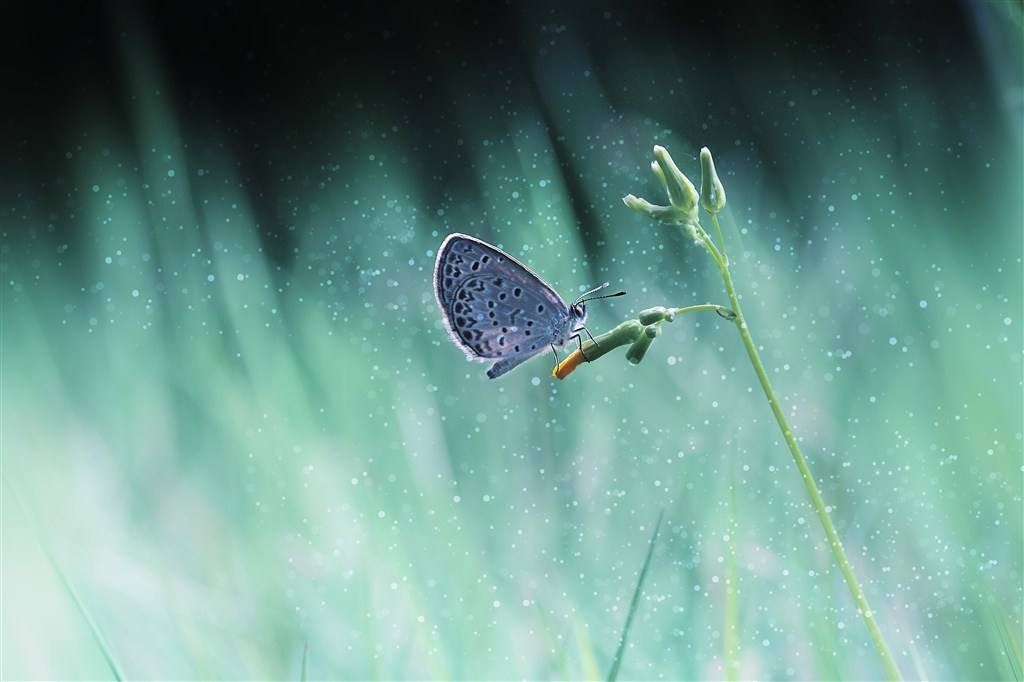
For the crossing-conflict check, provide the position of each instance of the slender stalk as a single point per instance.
(730, 636)
(721, 242)
(632, 332)
(721, 309)
(683, 213)
(892, 671)
(97, 636)
(634, 602)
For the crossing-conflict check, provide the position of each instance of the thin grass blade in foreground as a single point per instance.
(94, 630)
(730, 636)
(1010, 648)
(305, 659)
(586, 653)
(617, 661)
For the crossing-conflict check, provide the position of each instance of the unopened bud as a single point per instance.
(652, 315)
(680, 190)
(638, 350)
(712, 193)
(666, 214)
(656, 169)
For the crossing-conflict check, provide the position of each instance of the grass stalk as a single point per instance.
(730, 636)
(683, 213)
(1010, 648)
(94, 630)
(613, 673)
(69, 587)
(588, 662)
(892, 671)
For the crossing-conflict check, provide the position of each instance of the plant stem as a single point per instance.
(704, 306)
(721, 241)
(892, 671)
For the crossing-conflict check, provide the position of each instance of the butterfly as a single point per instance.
(496, 308)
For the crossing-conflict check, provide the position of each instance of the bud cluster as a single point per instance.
(683, 197)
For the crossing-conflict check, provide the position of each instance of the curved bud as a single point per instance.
(680, 190)
(652, 315)
(666, 214)
(638, 350)
(656, 169)
(712, 193)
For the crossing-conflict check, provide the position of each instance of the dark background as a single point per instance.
(272, 77)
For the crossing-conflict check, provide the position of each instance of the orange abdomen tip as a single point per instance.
(565, 367)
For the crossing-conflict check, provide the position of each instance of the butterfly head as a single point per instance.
(579, 312)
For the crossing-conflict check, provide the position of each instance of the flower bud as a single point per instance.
(666, 214)
(680, 190)
(638, 350)
(652, 315)
(712, 193)
(656, 169)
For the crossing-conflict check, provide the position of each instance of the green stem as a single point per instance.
(892, 671)
(705, 306)
(709, 245)
(721, 242)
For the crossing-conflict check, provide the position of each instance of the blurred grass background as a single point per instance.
(236, 423)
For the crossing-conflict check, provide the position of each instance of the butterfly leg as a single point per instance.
(556, 355)
(579, 340)
(579, 345)
(589, 334)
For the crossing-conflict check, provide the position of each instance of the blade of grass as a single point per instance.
(915, 656)
(1013, 657)
(730, 638)
(305, 658)
(94, 630)
(617, 661)
(586, 654)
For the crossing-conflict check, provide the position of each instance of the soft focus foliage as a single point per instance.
(234, 448)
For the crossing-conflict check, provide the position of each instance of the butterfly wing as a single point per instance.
(493, 306)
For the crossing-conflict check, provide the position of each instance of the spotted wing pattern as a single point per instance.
(493, 306)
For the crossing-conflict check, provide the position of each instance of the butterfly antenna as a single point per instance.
(598, 298)
(587, 293)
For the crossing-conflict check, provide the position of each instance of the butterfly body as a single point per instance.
(496, 308)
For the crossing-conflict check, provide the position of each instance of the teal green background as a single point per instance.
(234, 445)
